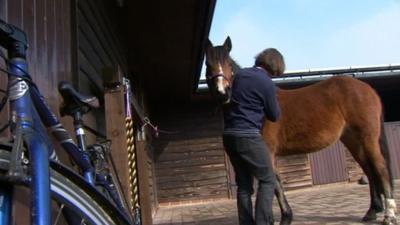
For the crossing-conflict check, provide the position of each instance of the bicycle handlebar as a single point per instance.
(13, 39)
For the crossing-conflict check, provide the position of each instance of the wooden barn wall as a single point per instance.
(68, 41)
(148, 148)
(190, 163)
(329, 165)
(294, 171)
(393, 134)
(152, 179)
(47, 24)
(99, 47)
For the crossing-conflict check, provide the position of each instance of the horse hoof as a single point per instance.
(370, 215)
(285, 221)
(390, 221)
(367, 218)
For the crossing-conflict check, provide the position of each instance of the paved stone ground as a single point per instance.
(327, 205)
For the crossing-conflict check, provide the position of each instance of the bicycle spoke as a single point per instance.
(59, 214)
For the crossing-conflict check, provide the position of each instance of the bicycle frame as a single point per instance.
(30, 112)
(34, 136)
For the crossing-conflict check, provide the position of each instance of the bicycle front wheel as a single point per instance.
(75, 199)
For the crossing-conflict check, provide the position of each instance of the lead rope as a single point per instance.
(130, 139)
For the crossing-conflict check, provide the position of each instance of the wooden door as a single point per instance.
(329, 165)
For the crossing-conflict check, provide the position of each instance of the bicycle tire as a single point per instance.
(70, 190)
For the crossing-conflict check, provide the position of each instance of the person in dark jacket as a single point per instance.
(253, 99)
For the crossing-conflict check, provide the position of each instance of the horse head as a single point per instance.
(219, 70)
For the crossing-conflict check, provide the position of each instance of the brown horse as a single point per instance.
(316, 116)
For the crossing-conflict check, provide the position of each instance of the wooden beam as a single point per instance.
(115, 126)
(144, 187)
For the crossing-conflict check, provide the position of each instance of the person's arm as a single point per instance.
(271, 105)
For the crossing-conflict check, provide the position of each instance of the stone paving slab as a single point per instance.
(337, 204)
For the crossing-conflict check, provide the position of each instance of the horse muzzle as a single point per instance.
(224, 97)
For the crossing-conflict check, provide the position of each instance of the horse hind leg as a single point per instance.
(286, 211)
(390, 217)
(352, 143)
(377, 154)
(391, 209)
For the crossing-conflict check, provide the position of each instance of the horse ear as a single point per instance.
(209, 44)
(228, 44)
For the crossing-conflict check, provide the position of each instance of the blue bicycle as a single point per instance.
(30, 160)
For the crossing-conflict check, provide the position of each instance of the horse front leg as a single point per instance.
(286, 211)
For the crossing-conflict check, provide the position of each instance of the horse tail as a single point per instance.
(384, 146)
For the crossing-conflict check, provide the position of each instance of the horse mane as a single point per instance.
(235, 66)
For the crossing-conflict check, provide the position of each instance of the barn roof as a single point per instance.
(166, 43)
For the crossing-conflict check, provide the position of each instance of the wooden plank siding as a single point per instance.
(144, 182)
(47, 24)
(145, 143)
(116, 131)
(70, 41)
(48, 27)
(152, 178)
(98, 48)
(294, 171)
(191, 170)
(393, 135)
(190, 163)
(329, 165)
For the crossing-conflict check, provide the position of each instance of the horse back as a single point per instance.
(315, 116)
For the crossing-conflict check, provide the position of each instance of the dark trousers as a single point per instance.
(250, 158)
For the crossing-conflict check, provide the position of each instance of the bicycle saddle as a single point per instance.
(75, 101)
